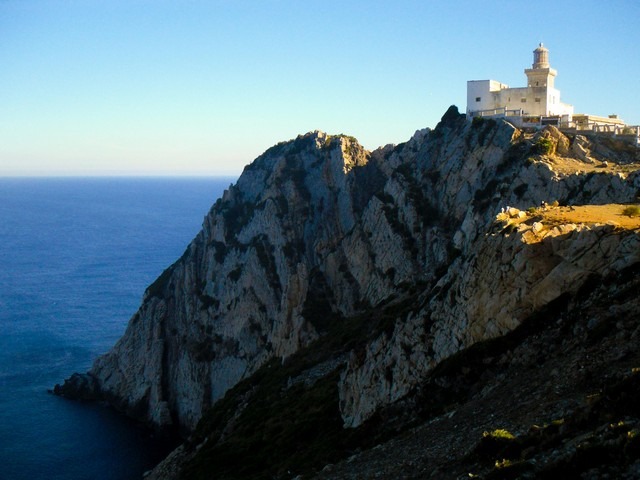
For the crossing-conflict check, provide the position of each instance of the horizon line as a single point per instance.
(118, 175)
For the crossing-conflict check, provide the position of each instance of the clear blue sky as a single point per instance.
(203, 87)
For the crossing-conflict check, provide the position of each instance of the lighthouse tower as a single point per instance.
(538, 99)
(540, 74)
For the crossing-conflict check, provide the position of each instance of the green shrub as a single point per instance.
(498, 444)
(507, 470)
(632, 211)
(544, 146)
(477, 121)
(499, 433)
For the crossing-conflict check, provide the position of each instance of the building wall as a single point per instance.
(540, 77)
(538, 98)
(482, 94)
(535, 101)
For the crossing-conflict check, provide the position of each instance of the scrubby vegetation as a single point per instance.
(282, 419)
(544, 146)
(604, 432)
(632, 211)
(285, 419)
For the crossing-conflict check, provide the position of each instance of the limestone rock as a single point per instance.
(581, 150)
(513, 212)
(507, 279)
(318, 229)
(78, 387)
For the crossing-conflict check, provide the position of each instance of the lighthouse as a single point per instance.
(540, 74)
(539, 98)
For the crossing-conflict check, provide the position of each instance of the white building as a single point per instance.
(530, 104)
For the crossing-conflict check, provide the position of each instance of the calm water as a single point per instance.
(75, 258)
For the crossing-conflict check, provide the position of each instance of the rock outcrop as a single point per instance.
(318, 231)
(484, 296)
(272, 262)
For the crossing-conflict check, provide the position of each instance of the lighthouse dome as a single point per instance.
(541, 57)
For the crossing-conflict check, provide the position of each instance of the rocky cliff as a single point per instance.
(362, 272)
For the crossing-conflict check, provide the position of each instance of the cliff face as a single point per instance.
(272, 263)
(318, 230)
(486, 295)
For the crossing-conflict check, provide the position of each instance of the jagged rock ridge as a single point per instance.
(317, 231)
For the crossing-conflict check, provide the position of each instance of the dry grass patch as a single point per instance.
(611, 214)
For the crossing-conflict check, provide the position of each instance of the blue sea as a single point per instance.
(76, 255)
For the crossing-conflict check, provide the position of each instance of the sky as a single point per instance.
(190, 87)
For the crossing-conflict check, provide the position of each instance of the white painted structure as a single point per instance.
(537, 100)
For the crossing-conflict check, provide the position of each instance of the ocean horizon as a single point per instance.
(77, 254)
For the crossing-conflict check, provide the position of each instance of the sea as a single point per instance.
(76, 255)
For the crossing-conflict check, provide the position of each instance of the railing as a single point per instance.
(628, 133)
(496, 112)
(603, 128)
(520, 118)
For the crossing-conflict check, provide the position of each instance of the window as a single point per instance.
(523, 100)
(537, 100)
(477, 99)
